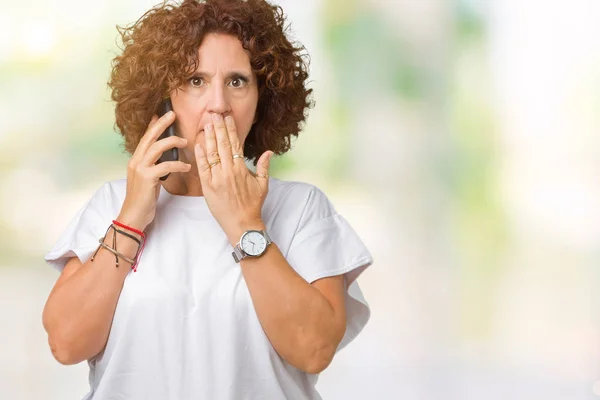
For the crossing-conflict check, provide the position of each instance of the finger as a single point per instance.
(152, 133)
(204, 169)
(223, 143)
(211, 152)
(167, 167)
(236, 147)
(262, 167)
(153, 120)
(160, 146)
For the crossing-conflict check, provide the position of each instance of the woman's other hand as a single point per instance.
(143, 175)
(233, 193)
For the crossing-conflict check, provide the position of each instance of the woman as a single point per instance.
(239, 288)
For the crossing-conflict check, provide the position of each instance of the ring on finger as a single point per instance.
(238, 156)
(263, 176)
(212, 164)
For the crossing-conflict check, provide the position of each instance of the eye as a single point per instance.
(196, 81)
(238, 82)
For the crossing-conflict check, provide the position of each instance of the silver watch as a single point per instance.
(253, 243)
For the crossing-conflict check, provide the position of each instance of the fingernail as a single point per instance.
(208, 127)
(228, 119)
(217, 117)
(170, 114)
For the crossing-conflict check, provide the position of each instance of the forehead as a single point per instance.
(222, 52)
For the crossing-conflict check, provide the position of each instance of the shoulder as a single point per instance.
(305, 199)
(116, 188)
(294, 190)
(281, 188)
(109, 195)
(115, 191)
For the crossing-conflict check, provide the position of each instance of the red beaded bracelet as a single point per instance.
(142, 234)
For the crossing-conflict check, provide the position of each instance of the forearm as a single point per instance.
(79, 311)
(299, 321)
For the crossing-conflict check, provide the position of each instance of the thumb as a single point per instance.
(262, 166)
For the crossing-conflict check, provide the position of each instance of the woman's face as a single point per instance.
(223, 84)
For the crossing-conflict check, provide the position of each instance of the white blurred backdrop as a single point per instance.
(460, 138)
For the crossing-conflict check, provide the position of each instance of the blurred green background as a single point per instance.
(460, 138)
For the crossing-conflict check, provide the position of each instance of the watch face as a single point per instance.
(253, 243)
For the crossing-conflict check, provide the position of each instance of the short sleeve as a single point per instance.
(80, 237)
(326, 245)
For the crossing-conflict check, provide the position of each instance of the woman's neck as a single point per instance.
(183, 183)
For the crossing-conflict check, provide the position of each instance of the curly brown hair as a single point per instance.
(160, 52)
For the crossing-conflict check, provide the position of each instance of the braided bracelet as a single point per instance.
(116, 253)
(114, 250)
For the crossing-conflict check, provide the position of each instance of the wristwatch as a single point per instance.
(252, 244)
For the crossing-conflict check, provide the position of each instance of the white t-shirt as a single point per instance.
(184, 326)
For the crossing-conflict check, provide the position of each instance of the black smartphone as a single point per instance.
(171, 154)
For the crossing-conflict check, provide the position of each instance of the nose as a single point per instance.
(218, 102)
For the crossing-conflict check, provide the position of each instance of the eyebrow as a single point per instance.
(232, 74)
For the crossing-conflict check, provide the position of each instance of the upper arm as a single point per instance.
(333, 288)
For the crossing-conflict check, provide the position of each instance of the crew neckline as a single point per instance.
(178, 200)
(190, 201)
